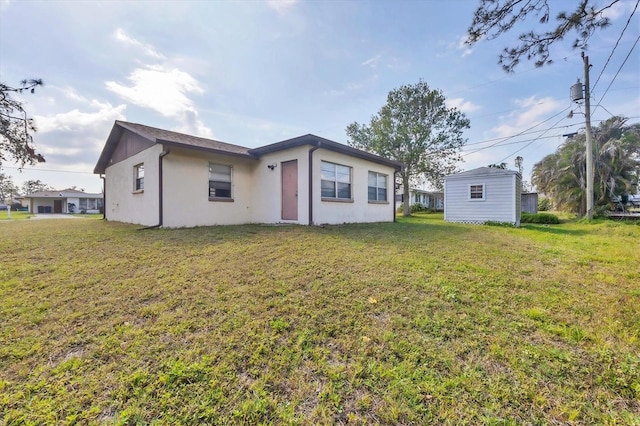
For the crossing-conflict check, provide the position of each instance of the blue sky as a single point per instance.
(257, 72)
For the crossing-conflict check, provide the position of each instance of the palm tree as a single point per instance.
(562, 175)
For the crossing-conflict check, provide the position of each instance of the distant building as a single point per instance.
(64, 201)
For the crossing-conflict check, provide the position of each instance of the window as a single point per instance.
(377, 187)
(219, 181)
(476, 192)
(335, 181)
(138, 174)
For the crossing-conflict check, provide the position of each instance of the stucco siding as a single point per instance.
(359, 209)
(186, 190)
(499, 203)
(267, 200)
(123, 203)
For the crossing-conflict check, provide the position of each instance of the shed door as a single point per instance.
(290, 190)
(57, 206)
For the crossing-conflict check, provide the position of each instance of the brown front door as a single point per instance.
(57, 206)
(290, 190)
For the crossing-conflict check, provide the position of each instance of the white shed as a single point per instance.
(481, 195)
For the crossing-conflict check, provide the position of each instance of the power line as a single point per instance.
(619, 69)
(522, 132)
(616, 45)
(513, 153)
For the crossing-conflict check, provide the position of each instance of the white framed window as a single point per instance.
(219, 182)
(476, 192)
(377, 186)
(335, 181)
(138, 176)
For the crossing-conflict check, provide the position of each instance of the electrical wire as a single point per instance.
(616, 45)
(522, 132)
(513, 153)
(619, 69)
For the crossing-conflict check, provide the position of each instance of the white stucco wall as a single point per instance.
(501, 199)
(267, 200)
(360, 210)
(186, 190)
(256, 190)
(122, 203)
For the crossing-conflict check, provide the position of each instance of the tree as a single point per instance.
(495, 17)
(562, 175)
(16, 128)
(7, 188)
(31, 186)
(502, 166)
(416, 128)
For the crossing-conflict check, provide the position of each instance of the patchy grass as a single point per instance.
(411, 323)
(4, 215)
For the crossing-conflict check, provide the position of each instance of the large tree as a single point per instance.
(31, 186)
(562, 175)
(414, 127)
(7, 188)
(16, 128)
(495, 17)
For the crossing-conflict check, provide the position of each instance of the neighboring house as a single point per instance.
(481, 195)
(429, 199)
(156, 177)
(64, 201)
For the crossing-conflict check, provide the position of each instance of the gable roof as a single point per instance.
(65, 193)
(318, 142)
(483, 171)
(167, 137)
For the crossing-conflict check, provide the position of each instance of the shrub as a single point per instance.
(546, 218)
(544, 204)
(419, 208)
(415, 208)
(497, 223)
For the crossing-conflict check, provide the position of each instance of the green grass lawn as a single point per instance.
(416, 322)
(4, 215)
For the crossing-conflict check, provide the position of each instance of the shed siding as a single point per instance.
(499, 202)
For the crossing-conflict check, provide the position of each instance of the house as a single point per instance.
(483, 194)
(64, 201)
(429, 199)
(157, 177)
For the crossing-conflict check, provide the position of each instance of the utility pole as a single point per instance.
(589, 135)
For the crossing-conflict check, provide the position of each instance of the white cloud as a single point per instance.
(617, 10)
(120, 35)
(372, 62)
(466, 50)
(462, 105)
(281, 6)
(164, 90)
(160, 89)
(76, 121)
(531, 112)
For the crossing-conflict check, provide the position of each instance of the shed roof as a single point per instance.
(483, 171)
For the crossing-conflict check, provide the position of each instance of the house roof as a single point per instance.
(168, 137)
(165, 137)
(482, 171)
(317, 141)
(64, 193)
